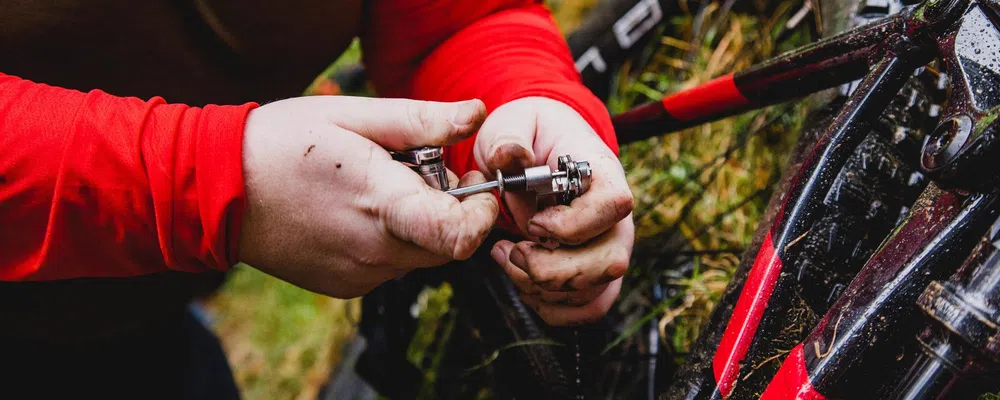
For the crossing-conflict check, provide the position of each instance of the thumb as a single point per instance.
(438, 223)
(401, 124)
(505, 141)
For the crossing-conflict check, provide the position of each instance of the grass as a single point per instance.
(708, 184)
(281, 340)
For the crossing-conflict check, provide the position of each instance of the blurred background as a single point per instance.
(703, 190)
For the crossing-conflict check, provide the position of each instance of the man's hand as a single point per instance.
(577, 281)
(329, 210)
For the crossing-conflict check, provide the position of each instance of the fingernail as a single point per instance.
(467, 113)
(517, 258)
(508, 153)
(536, 230)
(548, 243)
(498, 253)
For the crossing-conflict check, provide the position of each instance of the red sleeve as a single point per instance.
(494, 50)
(94, 185)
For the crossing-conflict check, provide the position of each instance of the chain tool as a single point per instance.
(570, 180)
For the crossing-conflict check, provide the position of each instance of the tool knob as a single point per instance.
(427, 162)
(576, 179)
(569, 181)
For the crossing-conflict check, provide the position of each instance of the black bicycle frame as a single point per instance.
(613, 32)
(856, 336)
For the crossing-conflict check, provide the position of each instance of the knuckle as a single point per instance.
(617, 265)
(549, 297)
(577, 299)
(536, 270)
(369, 260)
(539, 274)
(393, 219)
(526, 287)
(463, 246)
(574, 233)
(507, 150)
(522, 280)
(464, 234)
(577, 302)
(594, 312)
(454, 239)
(419, 118)
(574, 236)
(623, 203)
(545, 278)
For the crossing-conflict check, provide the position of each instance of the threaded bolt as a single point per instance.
(515, 183)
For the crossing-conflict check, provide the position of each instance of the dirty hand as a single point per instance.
(578, 281)
(329, 210)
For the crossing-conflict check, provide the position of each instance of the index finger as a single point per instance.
(607, 202)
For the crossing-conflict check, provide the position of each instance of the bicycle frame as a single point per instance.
(612, 33)
(855, 337)
(820, 65)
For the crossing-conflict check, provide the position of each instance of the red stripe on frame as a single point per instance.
(708, 99)
(746, 316)
(792, 380)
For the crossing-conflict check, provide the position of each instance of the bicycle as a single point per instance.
(876, 306)
(859, 346)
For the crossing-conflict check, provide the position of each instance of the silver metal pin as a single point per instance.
(474, 189)
(479, 187)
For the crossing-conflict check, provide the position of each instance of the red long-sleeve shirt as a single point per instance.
(100, 185)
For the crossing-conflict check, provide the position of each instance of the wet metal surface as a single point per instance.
(862, 336)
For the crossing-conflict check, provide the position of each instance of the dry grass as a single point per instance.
(709, 183)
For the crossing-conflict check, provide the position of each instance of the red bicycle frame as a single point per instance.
(928, 245)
